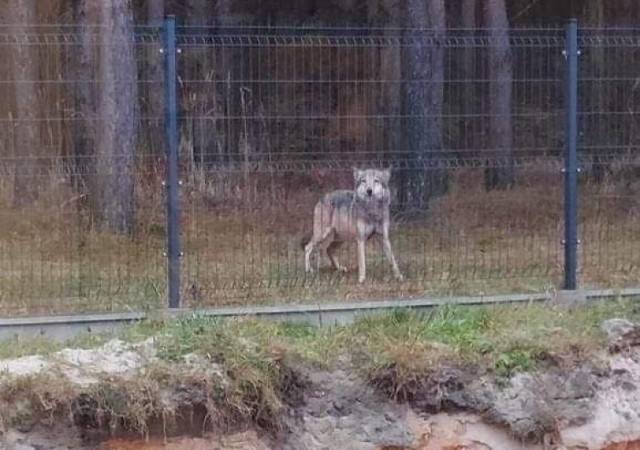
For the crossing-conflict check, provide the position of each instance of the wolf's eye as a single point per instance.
(376, 181)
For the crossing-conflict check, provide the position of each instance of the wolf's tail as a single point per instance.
(305, 240)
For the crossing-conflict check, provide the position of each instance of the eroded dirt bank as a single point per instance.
(592, 404)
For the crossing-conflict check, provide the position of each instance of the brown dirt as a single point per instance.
(635, 445)
(243, 441)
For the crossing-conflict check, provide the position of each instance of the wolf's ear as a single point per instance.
(386, 176)
(356, 174)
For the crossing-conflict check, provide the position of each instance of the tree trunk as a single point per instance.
(117, 110)
(83, 59)
(215, 136)
(596, 135)
(423, 93)
(222, 108)
(234, 68)
(208, 64)
(24, 69)
(468, 23)
(390, 60)
(500, 62)
(152, 99)
(373, 139)
(155, 12)
(468, 102)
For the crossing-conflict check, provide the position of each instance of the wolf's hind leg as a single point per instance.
(331, 253)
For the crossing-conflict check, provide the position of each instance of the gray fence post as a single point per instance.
(171, 182)
(571, 160)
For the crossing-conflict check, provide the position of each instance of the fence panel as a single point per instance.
(272, 119)
(472, 125)
(610, 157)
(81, 203)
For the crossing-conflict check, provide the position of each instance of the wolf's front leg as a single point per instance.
(362, 271)
(388, 252)
(386, 248)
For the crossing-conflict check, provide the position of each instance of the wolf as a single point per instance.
(346, 216)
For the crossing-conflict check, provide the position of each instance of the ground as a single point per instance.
(529, 375)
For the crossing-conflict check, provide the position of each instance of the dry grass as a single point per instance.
(242, 245)
(232, 385)
(150, 402)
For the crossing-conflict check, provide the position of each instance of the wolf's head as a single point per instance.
(372, 184)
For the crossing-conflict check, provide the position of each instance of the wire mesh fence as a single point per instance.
(81, 205)
(610, 155)
(471, 124)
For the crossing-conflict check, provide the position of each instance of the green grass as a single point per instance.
(502, 338)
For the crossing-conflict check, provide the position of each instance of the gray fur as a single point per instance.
(340, 199)
(357, 215)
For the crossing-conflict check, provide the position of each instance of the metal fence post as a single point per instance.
(571, 160)
(171, 183)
